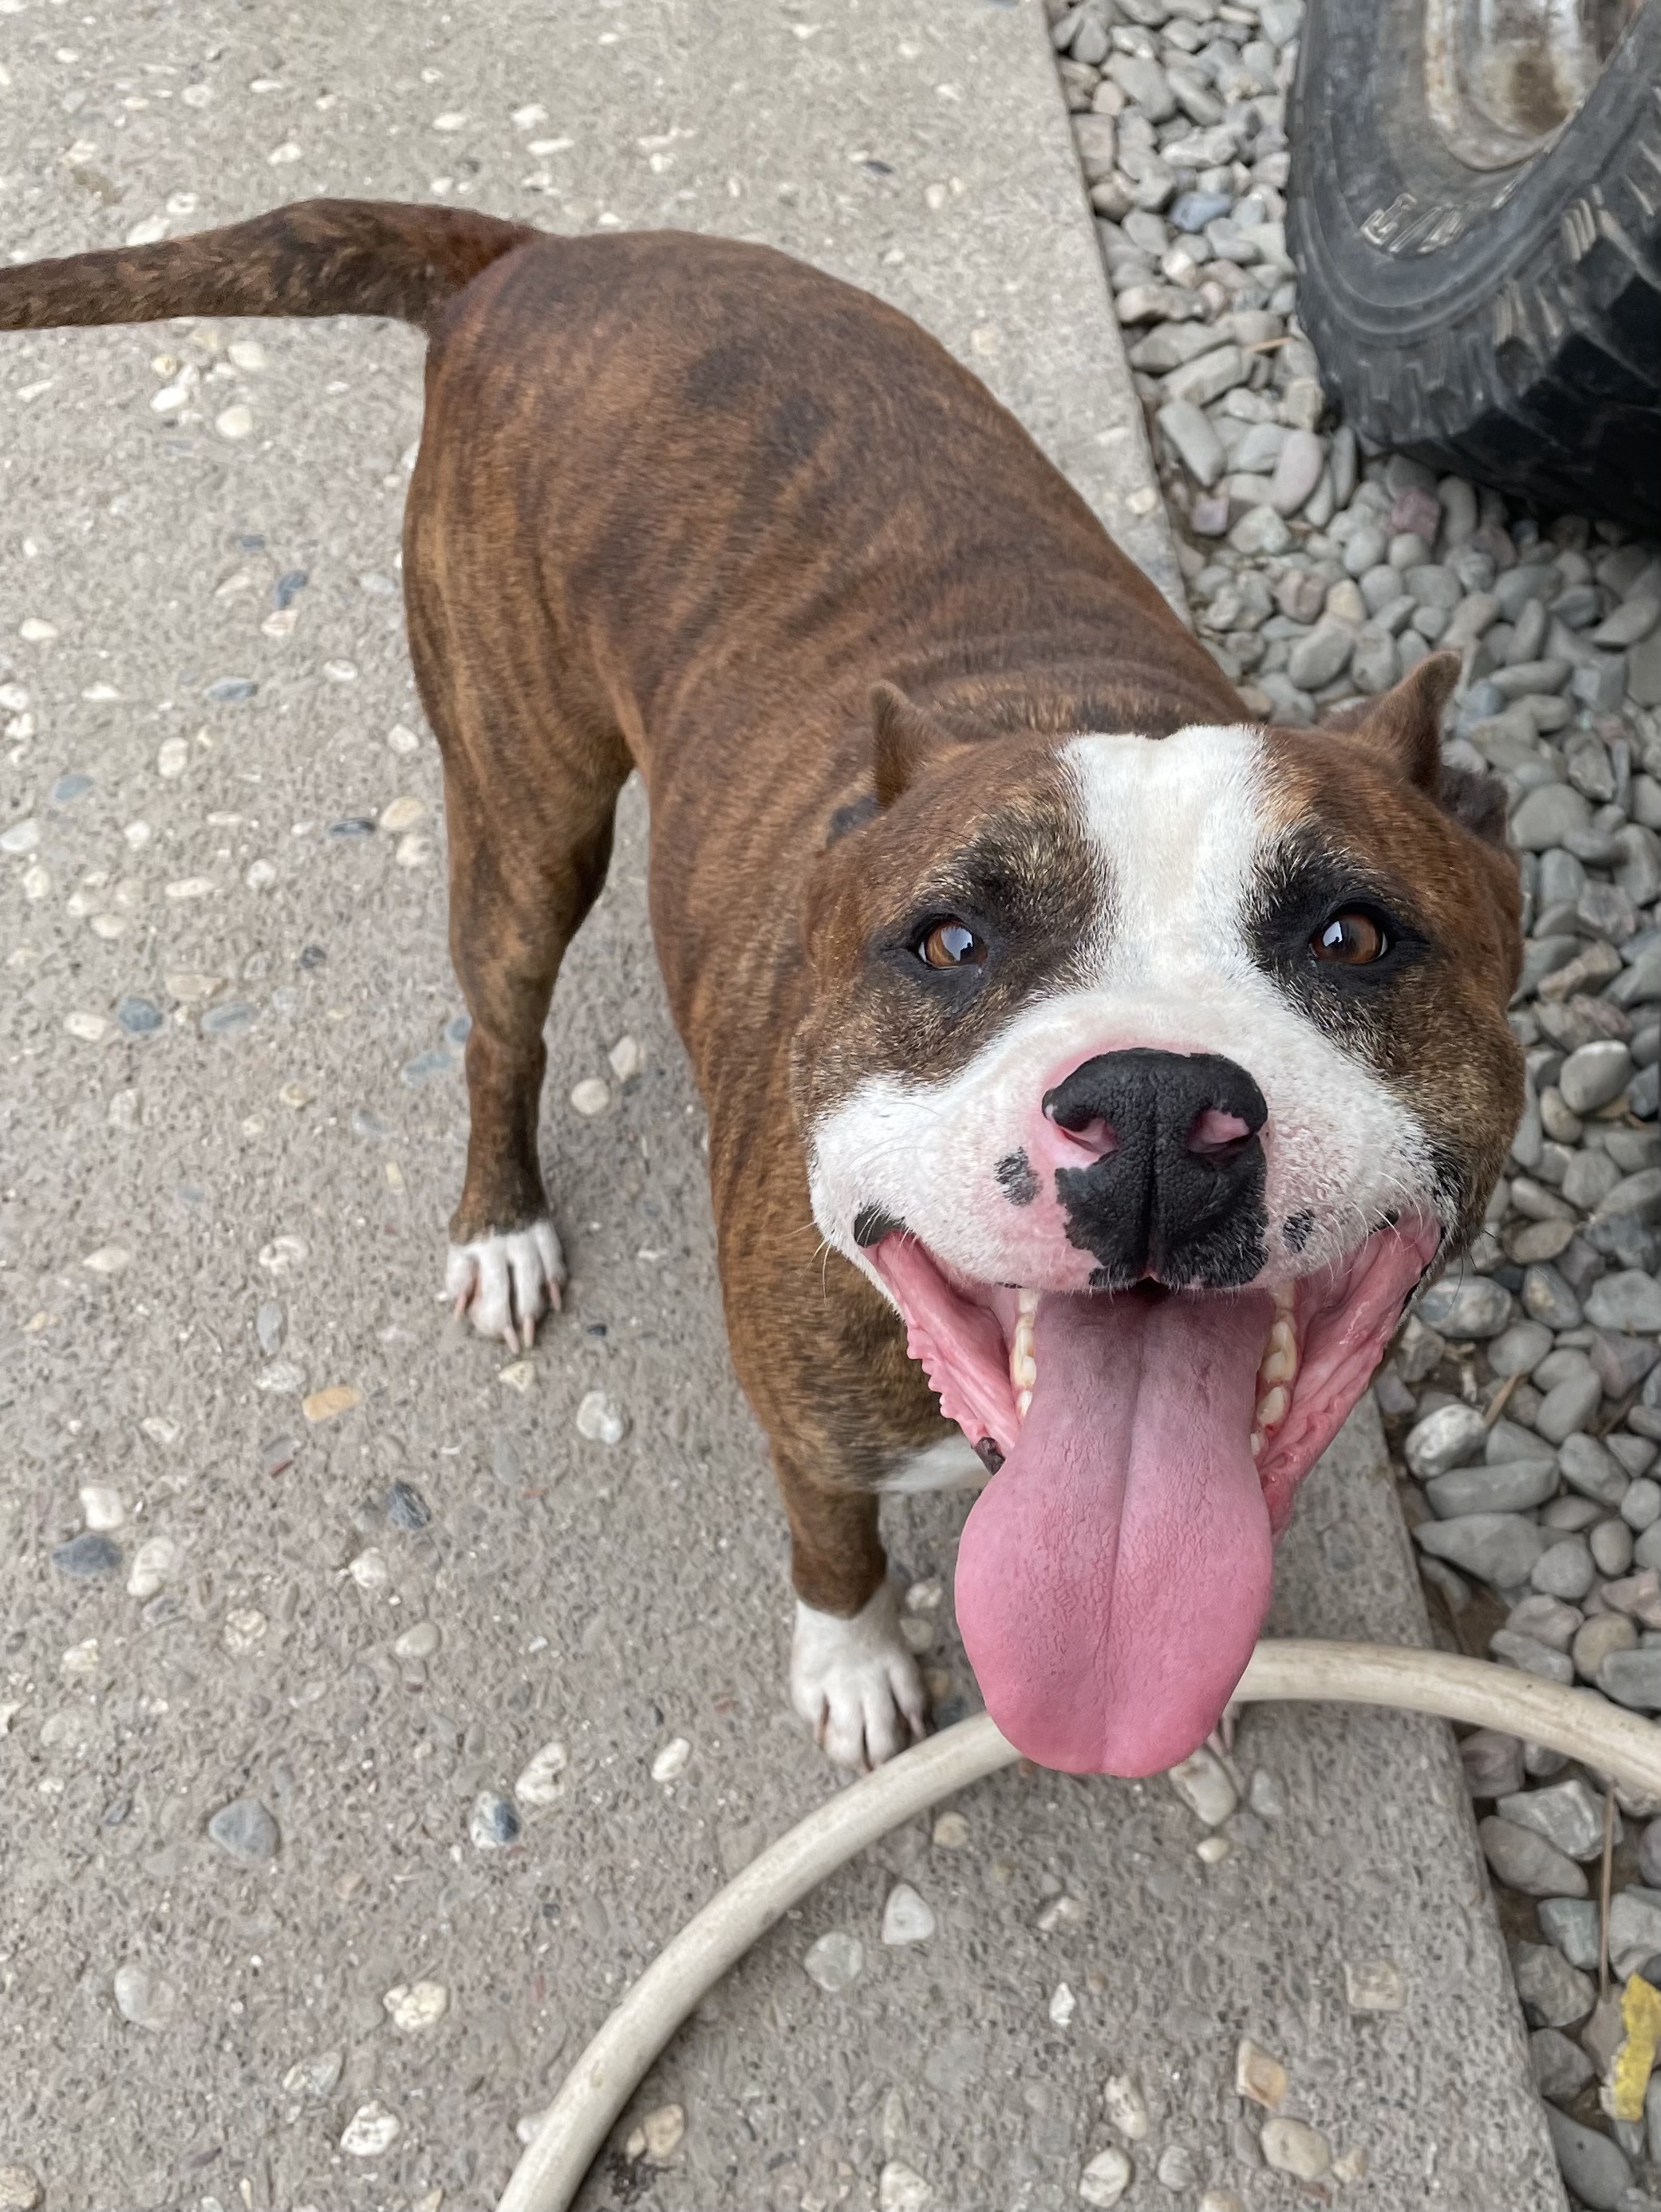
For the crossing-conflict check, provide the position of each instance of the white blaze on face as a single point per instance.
(1178, 829)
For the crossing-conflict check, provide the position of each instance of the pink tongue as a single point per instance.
(1114, 1574)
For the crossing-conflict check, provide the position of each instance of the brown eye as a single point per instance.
(1350, 941)
(951, 944)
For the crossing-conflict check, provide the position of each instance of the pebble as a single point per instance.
(419, 1641)
(1175, 2170)
(245, 1830)
(1565, 1570)
(328, 1405)
(1259, 2076)
(1445, 1439)
(1604, 1633)
(1472, 1306)
(1296, 470)
(591, 1096)
(1568, 1815)
(906, 1916)
(1634, 1679)
(1201, 1782)
(1206, 377)
(414, 2006)
(1635, 1928)
(1293, 2147)
(1501, 1547)
(1573, 1924)
(1561, 2069)
(492, 1824)
(1554, 1994)
(1374, 1985)
(86, 1557)
(1593, 1470)
(1493, 1763)
(1530, 1655)
(101, 1508)
(371, 2132)
(660, 2135)
(601, 1419)
(672, 1760)
(1126, 2107)
(901, 2188)
(1596, 2169)
(1527, 1861)
(1321, 655)
(145, 1997)
(626, 1059)
(19, 2190)
(1594, 1075)
(1106, 2178)
(1626, 1302)
(835, 1962)
(1508, 1487)
(245, 1629)
(406, 1508)
(541, 1780)
(1197, 446)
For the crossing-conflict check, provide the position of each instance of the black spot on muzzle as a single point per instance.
(872, 1225)
(1016, 1179)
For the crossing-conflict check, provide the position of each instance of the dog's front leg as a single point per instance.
(853, 1678)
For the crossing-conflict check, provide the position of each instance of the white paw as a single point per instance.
(504, 1284)
(856, 1683)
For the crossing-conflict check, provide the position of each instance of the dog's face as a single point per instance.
(1146, 1079)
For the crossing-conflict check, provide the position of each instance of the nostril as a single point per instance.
(1212, 1131)
(1095, 1136)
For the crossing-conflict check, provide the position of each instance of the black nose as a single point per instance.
(1178, 1191)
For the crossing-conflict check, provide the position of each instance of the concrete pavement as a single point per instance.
(233, 1125)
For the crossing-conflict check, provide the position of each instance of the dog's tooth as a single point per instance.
(1286, 1300)
(1280, 1367)
(1023, 1400)
(1257, 1444)
(1022, 1366)
(1026, 1303)
(1272, 1409)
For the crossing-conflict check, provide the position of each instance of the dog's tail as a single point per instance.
(315, 258)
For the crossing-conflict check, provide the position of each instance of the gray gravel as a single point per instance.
(1320, 573)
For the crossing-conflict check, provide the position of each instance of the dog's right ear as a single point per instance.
(905, 739)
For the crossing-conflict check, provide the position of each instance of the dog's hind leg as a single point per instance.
(531, 782)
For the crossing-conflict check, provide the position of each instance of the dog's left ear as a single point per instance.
(905, 739)
(1404, 730)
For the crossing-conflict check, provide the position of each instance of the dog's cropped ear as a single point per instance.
(1403, 731)
(905, 739)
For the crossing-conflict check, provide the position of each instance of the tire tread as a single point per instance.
(1545, 380)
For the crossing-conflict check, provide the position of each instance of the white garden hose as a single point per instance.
(1578, 1723)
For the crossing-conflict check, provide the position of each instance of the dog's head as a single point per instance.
(1146, 1079)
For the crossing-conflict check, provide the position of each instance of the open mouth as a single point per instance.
(1145, 1448)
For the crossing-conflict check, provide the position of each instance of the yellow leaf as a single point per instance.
(1641, 2015)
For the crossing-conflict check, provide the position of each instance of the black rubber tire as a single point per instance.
(1503, 325)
